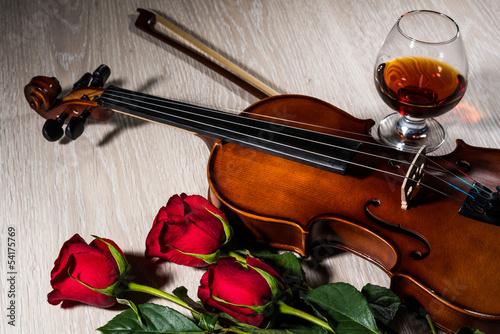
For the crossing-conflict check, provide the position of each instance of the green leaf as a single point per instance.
(306, 330)
(275, 285)
(208, 258)
(468, 330)
(257, 308)
(344, 307)
(109, 291)
(123, 265)
(277, 331)
(285, 264)
(297, 325)
(206, 320)
(132, 306)
(383, 302)
(228, 230)
(156, 319)
(182, 293)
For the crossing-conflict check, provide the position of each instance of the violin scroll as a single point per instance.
(42, 94)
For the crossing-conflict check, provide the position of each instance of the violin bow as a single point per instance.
(160, 28)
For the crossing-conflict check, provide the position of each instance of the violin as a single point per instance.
(299, 173)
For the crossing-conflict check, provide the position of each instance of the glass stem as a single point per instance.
(413, 128)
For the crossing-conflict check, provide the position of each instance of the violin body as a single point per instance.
(434, 256)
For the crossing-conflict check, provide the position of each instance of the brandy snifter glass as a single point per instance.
(421, 73)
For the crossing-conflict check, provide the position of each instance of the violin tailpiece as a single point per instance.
(482, 204)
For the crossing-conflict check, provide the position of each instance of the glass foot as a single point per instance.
(396, 134)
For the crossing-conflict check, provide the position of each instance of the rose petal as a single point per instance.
(73, 245)
(175, 256)
(96, 243)
(242, 314)
(201, 214)
(188, 237)
(251, 261)
(175, 206)
(170, 245)
(200, 203)
(239, 285)
(184, 229)
(67, 288)
(153, 247)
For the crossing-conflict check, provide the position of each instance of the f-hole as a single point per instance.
(415, 255)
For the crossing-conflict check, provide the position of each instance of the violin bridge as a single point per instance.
(413, 177)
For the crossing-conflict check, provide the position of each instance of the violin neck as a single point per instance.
(308, 147)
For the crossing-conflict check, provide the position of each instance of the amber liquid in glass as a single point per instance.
(419, 87)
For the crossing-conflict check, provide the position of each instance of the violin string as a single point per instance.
(465, 174)
(271, 131)
(307, 139)
(237, 113)
(290, 121)
(458, 169)
(341, 160)
(428, 158)
(142, 97)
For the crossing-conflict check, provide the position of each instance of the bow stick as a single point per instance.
(148, 21)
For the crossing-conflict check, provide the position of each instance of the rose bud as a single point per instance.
(91, 274)
(245, 291)
(189, 230)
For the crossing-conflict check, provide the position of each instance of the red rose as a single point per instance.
(189, 230)
(89, 274)
(245, 291)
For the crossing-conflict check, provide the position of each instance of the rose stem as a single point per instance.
(158, 293)
(286, 309)
(431, 325)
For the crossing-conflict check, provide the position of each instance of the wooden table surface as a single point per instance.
(112, 181)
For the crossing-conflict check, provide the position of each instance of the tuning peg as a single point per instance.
(100, 75)
(76, 125)
(83, 81)
(52, 129)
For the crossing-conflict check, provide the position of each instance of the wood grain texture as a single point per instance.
(112, 181)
